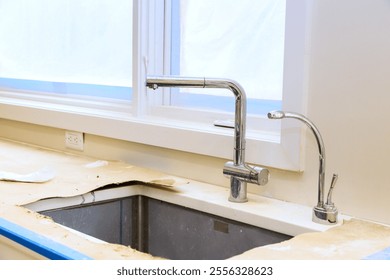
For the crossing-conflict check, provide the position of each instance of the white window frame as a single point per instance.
(270, 143)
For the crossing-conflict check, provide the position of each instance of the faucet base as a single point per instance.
(237, 191)
(325, 216)
(237, 200)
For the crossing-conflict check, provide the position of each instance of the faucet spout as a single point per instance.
(240, 107)
(238, 170)
(325, 213)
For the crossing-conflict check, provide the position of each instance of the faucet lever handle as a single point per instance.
(332, 185)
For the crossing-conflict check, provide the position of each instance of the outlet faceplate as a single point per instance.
(74, 140)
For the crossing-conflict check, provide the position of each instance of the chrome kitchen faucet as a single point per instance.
(239, 172)
(323, 213)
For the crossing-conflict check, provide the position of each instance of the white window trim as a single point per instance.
(136, 123)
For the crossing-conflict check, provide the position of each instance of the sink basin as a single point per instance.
(155, 226)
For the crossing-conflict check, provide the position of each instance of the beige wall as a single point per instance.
(349, 100)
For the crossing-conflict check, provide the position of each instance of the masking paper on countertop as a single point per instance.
(71, 175)
(74, 175)
(353, 240)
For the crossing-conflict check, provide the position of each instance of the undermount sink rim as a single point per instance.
(221, 238)
(259, 211)
(272, 214)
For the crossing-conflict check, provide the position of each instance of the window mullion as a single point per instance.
(147, 52)
(167, 37)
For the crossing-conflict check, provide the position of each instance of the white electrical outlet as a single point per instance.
(74, 140)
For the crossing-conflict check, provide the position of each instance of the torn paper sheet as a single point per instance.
(43, 175)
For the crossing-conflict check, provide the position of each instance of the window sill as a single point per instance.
(115, 121)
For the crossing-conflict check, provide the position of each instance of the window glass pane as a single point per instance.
(64, 46)
(238, 39)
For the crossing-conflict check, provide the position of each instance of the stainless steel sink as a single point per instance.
(160, 228)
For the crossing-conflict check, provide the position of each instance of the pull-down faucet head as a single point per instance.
(276, 115)
(324, 213)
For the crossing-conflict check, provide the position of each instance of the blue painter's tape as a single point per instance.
(381, 255)
(39, 243)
